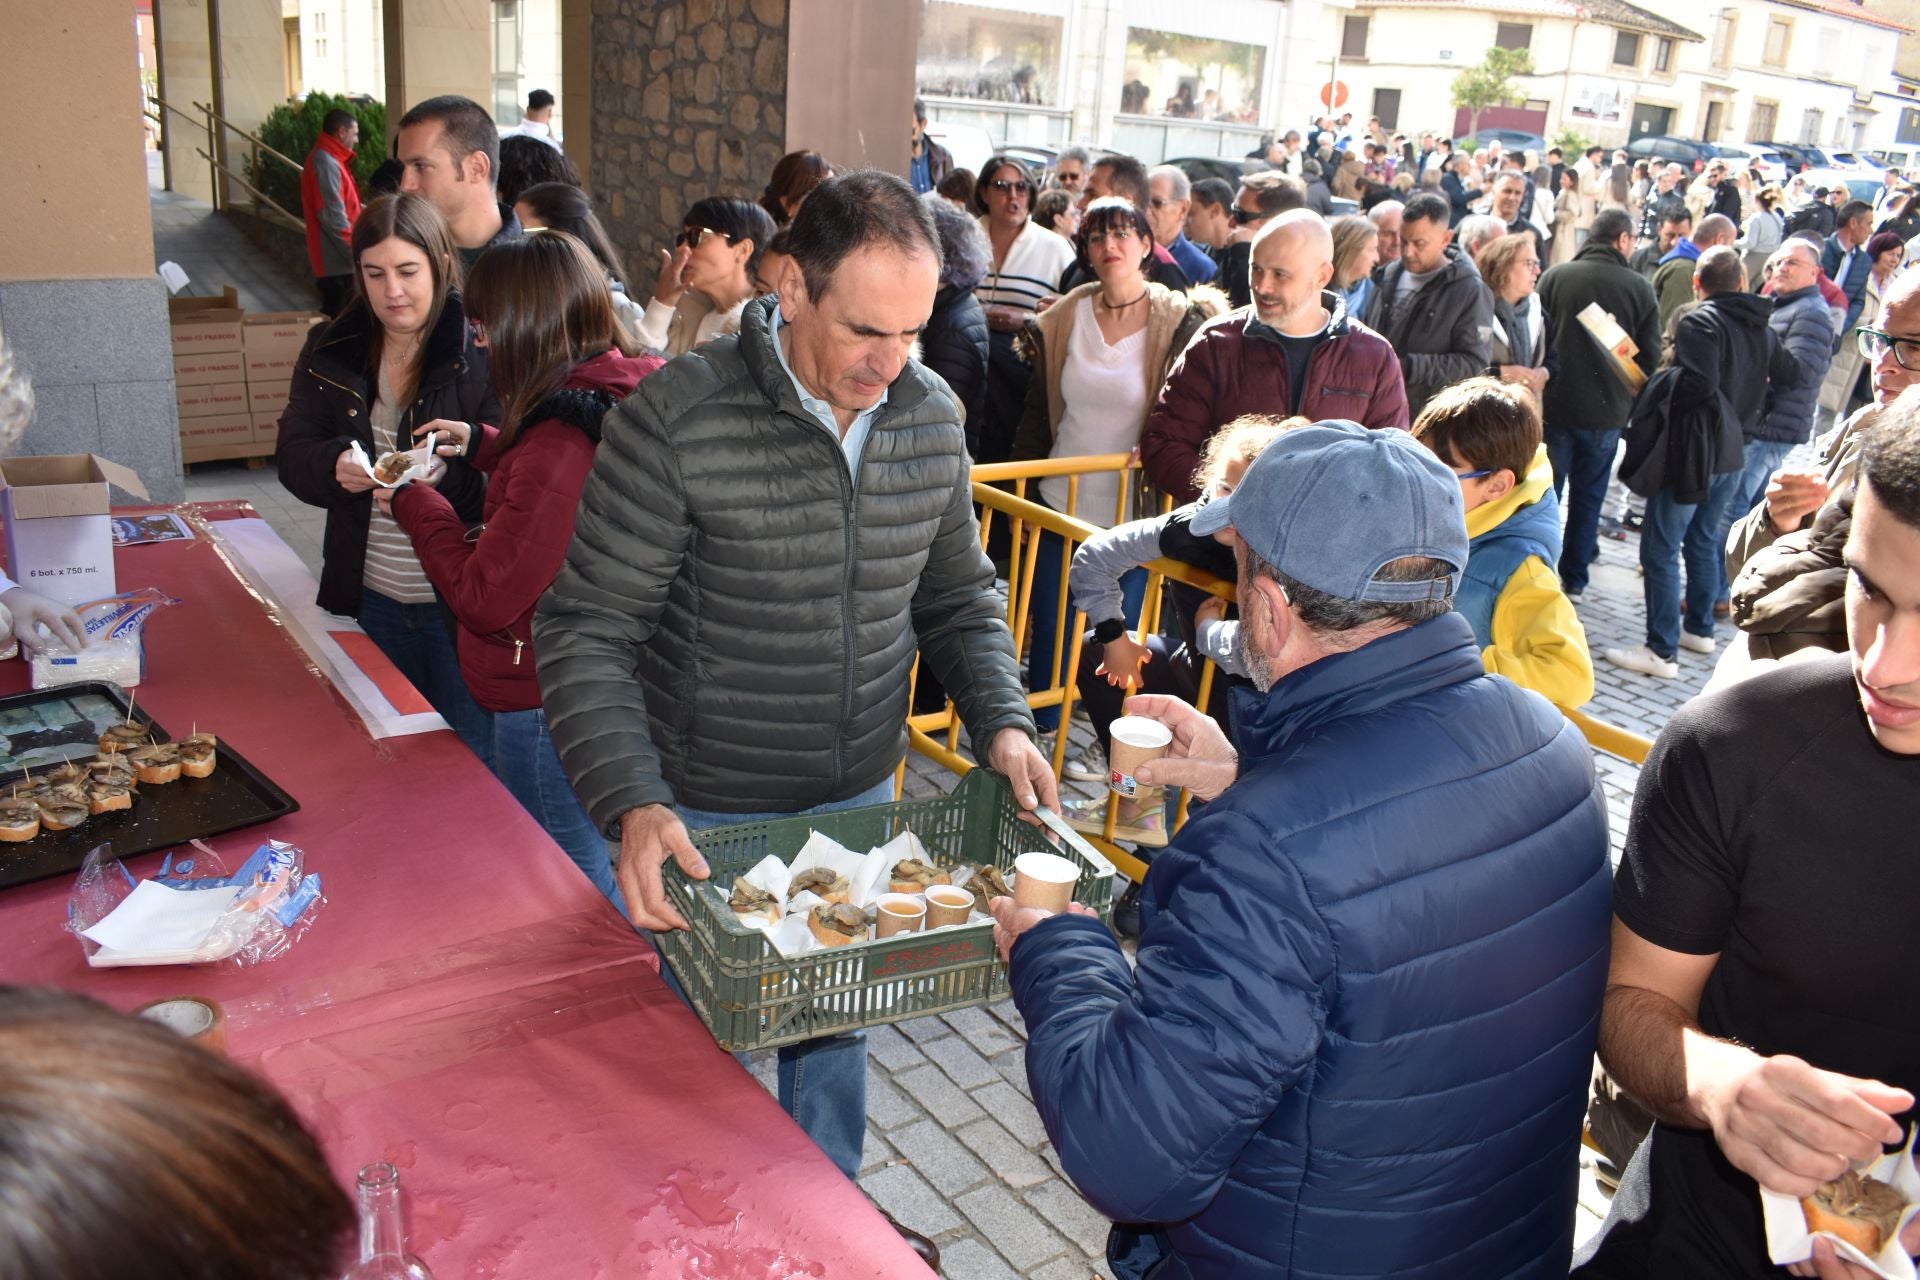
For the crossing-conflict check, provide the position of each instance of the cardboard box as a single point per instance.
(204, 368)
(59, 536)
(277, 334)
(224, 429)
(266, 431)
(267, 398)
(273, 366)
(211, 401)
(206, 324)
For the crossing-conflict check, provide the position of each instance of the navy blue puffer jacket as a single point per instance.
(1360, 1033)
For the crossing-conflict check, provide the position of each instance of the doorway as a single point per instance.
(1649, 119)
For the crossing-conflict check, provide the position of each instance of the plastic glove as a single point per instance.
(32, 611)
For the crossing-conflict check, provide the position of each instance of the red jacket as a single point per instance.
(493, 582)
(1354, 375)
(326, 173)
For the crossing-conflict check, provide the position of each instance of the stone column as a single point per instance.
(184, 42)
(253, 79)
(850, 93)
(435, 47)
(79, 300)
(689, 100)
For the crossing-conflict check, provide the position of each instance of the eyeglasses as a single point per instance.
(1472, 475)
(694, 237)
(1112, 235)
(1244, 216)
(1004, 184)
(1158, 202)
(1874, 344)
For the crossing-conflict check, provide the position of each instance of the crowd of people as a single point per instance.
(670, 564)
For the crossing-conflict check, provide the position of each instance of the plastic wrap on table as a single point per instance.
(114, 651)
(271, 903)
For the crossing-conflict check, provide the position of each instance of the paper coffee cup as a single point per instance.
(1135, 740)
(1044, 880)
(947, 905)
(897, 913)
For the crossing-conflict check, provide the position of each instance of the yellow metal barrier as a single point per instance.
(936, 734)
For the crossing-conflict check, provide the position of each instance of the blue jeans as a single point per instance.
(527, 764)
(1582, 465)
(1763, 458)
(416, 640)
(823, 1082)
(1674, 531)
(1041, 618)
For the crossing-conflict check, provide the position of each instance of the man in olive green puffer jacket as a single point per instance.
(774, 523)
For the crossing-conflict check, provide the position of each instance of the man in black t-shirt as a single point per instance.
(1760, 1001)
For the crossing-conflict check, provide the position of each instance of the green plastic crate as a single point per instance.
(752, 997)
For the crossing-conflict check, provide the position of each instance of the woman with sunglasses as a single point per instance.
(707, 277)
(1518, 345)
(569, 209)
(556, 359)
(1024, 263)
(1099, 356)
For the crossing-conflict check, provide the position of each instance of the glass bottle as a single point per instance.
(383, 1235)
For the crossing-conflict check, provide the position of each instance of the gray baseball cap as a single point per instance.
(1329, 505)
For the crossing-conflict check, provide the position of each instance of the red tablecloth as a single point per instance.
(465, 1005)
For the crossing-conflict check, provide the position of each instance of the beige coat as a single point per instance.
(1847, 362)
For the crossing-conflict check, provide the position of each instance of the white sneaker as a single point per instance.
(1645, 661)
(1696, 644)
(1085, 766)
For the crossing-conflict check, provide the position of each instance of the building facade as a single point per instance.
(1609, 71)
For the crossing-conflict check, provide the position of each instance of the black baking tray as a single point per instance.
(40, 729)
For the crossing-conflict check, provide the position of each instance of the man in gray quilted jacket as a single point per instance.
(774, 523)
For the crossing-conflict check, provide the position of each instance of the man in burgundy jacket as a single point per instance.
(1294, 351)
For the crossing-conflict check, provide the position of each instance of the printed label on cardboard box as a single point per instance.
(210, 401)
(59, 538)
(266, 429)
(272, 367)
(230, 428)
(204, 368)
(268, 398)
(272, 332)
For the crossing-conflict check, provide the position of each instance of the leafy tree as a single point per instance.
(293, 127)
(1490, 83)
(1571, 142)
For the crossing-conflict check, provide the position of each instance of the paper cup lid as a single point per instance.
(1139, 731)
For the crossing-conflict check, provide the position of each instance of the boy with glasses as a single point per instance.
(1488, 432)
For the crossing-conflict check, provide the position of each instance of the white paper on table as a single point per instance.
(157, 919)
(1789, 1241)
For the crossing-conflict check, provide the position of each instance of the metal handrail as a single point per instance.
(208, 118)
(262, 197)
(295, 165)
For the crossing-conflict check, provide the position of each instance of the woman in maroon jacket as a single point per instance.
(541, 307)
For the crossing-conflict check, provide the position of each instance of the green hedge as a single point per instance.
(293, 127)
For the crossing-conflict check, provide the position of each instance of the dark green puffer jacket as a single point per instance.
(737, 617)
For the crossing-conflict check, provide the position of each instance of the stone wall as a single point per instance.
(689, 101)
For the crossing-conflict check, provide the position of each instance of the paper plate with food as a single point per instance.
(400, 466)
(1863, 1212)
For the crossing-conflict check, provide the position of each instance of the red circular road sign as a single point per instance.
(1334, 93)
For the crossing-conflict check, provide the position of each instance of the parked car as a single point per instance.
(1848, 160)
(1801, 155)
(1665, 148)
(1509, 140)
(1860, 185)
(1229, 168)
(1753, 155)
(1898, 158)
(971, 145)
